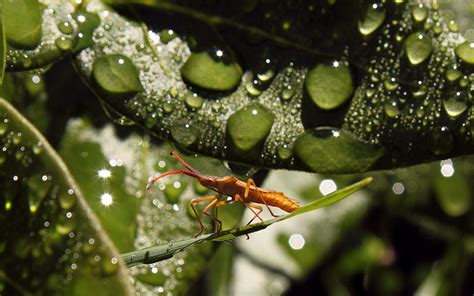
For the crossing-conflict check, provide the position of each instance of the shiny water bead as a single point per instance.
(215, 69)
(418, 48)
(329, 85)
(372, 19)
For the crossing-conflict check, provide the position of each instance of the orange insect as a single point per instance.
(245, 192)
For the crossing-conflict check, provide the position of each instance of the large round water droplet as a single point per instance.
(213, 70)
(465, 51)
(441, 141)
(184, 133)
(194, 101)
(456, 103)
(284, 152)
(419, 13)
(329, 86)
(248, 128)
(372, 20)
(452, 74)
(115, 74)
(418, 48)
(327, 150)
(66, 27)
(22, 23)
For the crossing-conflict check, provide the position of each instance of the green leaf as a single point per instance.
(163, 252)
(337, 76)
(45, 221)
(22, 22)
(3, 46)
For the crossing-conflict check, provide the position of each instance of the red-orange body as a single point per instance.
(245, 192)
(231, 186)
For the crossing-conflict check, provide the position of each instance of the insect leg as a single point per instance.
(198, 200)
(209, 206)
(246, 194)
(259, 210)
(220, 204)
(246, 204)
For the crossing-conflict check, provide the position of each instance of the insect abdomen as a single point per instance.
(277, 199)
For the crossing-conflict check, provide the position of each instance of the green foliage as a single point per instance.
(22, 22)
(45, 220)
(327, 86)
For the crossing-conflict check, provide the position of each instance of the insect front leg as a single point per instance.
(198, 200)
(209, 206)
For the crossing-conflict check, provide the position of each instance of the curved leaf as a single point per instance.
(55, 244)
(390, 97)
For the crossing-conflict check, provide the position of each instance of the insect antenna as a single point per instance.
(181, 161)
(193, 174)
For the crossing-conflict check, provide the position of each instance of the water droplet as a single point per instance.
(166, 35)
(453, 26)
(419, 13)
(418, 48)
(38, 187)
(184, 133)
(456, 103)
(215, 69)
(67, 200)
(115, 74)
(64, 43)
(391, 108)
(328, 150)
(168, 107)
(110, 266)
(3, 127)
(287, 93)
(194, 101)
(329, 86)
(284, 151)
(253, 88)
(373, 18)
(441, 141)
(452, 74)
(64, 224)
(465, 51)
(66, 27)
(248, 128)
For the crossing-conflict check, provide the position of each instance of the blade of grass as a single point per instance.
(163, 252)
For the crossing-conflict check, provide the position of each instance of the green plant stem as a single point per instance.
(214, 20)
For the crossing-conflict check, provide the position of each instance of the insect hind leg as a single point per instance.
(251, 182)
